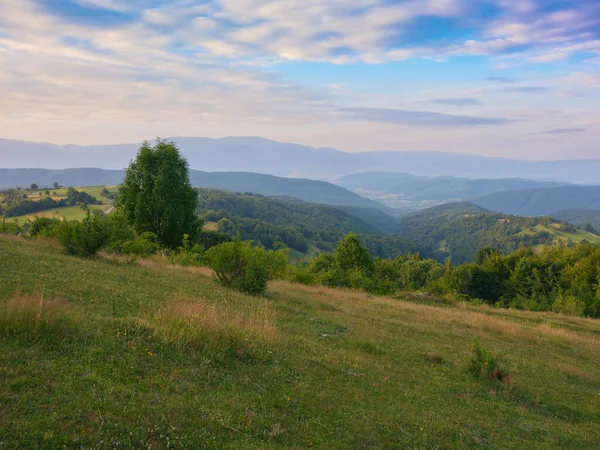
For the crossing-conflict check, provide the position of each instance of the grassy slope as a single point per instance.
(347, 370)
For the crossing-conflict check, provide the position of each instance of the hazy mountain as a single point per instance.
(307, 190)
(411, 191)
(11, 178)
(542, 202)
(252, 154)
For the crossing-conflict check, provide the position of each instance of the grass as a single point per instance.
(150, 355)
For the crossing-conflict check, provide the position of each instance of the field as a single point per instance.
(105, 353)
(68, 212)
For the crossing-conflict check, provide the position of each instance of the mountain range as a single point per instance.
(253, 154)
(407, 191)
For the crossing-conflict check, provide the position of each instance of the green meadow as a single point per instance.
(119, 353)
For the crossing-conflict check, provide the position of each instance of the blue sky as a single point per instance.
(494, 77)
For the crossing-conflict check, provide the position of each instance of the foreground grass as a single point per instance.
(102, 354)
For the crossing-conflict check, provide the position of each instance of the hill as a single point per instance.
(268, 185)
(580, 217)
(460, 230)
(112, 362)
(311, 191)
(253, 154)
(304, 227)
(403, 190)
(542, 202)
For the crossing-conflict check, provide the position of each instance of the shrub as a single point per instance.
(569, 305)
(83, 238)
(9, 227)
(484, 364)
(246, 268)
(42, 226)
(187, 254)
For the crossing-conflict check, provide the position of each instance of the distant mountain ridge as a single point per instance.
(414, 192)
(253, 154)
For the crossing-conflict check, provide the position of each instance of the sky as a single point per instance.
(511, 78)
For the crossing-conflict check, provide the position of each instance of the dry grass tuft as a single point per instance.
(199, 323)
(32, 314)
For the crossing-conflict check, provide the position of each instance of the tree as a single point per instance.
(34, 186)
(55, 185)
(351, 254)
(105, 192)
(157, 196)
(589, 228)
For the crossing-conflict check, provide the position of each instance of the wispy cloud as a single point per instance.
(407, 117)
(565, 131)
(456, 101)
(503, 79)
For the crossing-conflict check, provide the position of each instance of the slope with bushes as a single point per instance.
(103, 353)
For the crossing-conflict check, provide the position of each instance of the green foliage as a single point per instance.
(83, 238)
(187, 254)
(297, 224)
(42, 226)
(351, 254)
(461, 230)
(9, 227)
(75, 197)
(484, 364)
(244, 267)
(156, 195)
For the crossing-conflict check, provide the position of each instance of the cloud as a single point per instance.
(456, 101)
(565, 131)
(503, 79)
(407, 117)
(525, 89)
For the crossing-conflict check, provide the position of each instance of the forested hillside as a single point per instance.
(304, 227)
(542, 202)
(460, 230)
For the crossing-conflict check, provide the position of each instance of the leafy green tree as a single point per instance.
(55, 185)
(157, 196)
(351, 254)
(34, 186)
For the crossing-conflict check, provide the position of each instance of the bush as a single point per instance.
(569, 305)
(484, 364)
(187, 254)
(241, 266)
(83, 238)
(9, 227)
(42, 226)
